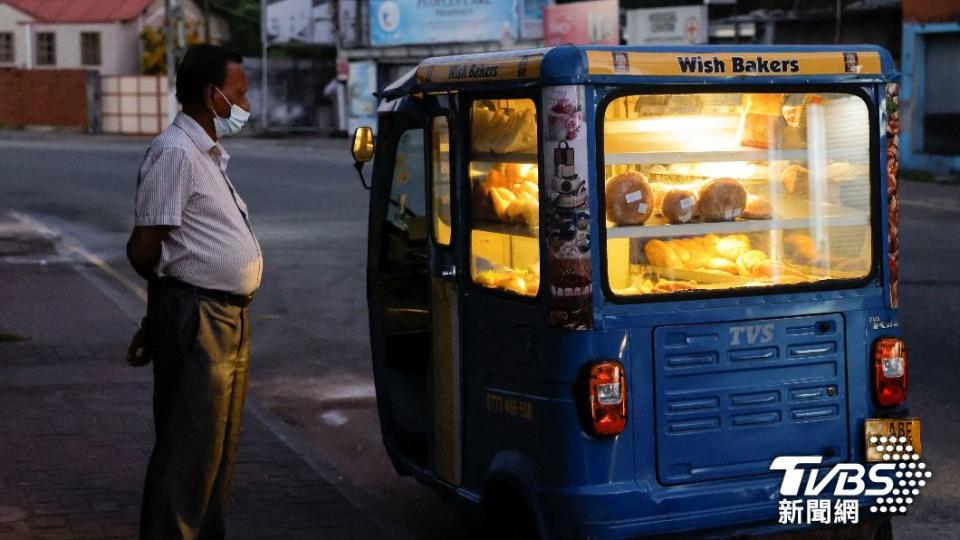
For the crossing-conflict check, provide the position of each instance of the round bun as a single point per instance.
(721, 199)
(678, 205)
(757, 208)
(629, 199)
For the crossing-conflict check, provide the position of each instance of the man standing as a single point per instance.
(194, 245)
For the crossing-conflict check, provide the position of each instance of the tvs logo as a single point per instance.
(621, 64)
(894, 483)
(751, 334)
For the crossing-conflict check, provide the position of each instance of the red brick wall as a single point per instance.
(44, 98)
(928, 11)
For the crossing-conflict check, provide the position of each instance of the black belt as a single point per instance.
(238, 300)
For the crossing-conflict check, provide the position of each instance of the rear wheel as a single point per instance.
(507, 515)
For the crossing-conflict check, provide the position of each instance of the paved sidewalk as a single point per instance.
(76, 428)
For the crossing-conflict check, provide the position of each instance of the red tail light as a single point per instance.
(608, 398)
(890, 371)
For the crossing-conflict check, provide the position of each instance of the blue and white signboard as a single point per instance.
(402, 22)
(362, 105)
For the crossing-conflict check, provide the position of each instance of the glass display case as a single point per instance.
(505, 196)
(726, 190)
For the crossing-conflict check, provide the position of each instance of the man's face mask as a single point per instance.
(232, 124)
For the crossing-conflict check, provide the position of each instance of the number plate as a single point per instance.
(891, 427)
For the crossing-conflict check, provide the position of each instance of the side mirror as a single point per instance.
(362, 150)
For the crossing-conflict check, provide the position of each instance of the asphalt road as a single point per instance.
(310, 342)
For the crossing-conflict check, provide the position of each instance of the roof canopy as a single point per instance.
(703, 64)
(80, 11)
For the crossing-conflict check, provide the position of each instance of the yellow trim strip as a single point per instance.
(745, 64)
(485, 68)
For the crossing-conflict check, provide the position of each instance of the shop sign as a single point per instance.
(402, 22)
(582, 23)
(667, 26)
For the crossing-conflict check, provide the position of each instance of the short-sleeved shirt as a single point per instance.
(183, 183)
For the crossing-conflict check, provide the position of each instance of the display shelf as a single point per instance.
(512, 157)
(790, 214)
(508, 229)
(703, 156)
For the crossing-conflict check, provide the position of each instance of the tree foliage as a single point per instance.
(243, 18)
(154, 59)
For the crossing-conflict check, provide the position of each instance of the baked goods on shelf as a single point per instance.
(757, 207)
(730, 255)
(640, 284)
(721, 199)
(523, 282)
(629, 199)
(678, 205)
(504, 130)
(508, 194)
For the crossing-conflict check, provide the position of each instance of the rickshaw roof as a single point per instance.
(700, 64)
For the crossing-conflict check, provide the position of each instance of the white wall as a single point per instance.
(10, 21)
(118, 46)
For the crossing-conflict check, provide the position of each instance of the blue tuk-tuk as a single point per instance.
(609, 286)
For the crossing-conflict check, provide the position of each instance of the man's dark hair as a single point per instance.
(202, 65)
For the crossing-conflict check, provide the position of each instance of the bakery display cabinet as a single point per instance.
(609, 286)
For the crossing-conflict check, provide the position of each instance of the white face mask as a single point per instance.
(232, 124)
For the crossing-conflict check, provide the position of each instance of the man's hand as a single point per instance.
(143, 249)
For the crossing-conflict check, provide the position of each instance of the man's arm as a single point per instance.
(143, 249)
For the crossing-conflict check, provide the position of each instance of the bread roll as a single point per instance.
(757, 208)
(721, 199)
(678, 205)
(629, 199)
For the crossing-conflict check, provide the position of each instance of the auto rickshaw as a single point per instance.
(609, 286)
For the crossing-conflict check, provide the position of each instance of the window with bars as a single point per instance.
(90, 48)
(46, 49)
(6, 46)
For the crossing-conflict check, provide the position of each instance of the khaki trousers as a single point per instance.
(201, 353)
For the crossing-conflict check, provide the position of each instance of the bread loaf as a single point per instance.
(721, 199)
(678, 205)
(629, 199)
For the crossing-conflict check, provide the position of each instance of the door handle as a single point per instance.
(449, 273)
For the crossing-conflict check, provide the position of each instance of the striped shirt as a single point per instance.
(183, 183)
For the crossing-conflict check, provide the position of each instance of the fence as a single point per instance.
(62, 99)
(133, 105)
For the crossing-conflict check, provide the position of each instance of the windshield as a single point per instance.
(734, 190)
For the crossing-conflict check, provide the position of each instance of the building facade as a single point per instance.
(929, 95)
(98, 35)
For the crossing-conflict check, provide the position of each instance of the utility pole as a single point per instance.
(171, 67)
(264, 98)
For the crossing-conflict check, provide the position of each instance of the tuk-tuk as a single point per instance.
(609, 286)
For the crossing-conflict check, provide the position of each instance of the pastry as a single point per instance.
(800, 248)
(732, 246)
(666, 286)
(796, 180)
(748, 262)
(678, 205)
(723, 265)
(757, 207)
(629, 199)
(662, 254)
(721, 199)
